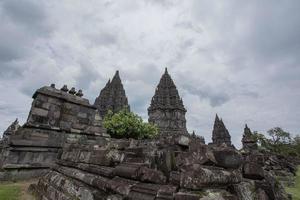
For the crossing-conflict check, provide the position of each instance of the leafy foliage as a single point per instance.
(125, 124)
(279, 141)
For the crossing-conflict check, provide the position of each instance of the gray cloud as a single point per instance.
(215, 98)
(26, 13)
(238, 59)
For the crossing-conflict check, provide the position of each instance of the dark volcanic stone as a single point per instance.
(253, 171)
(227, 158)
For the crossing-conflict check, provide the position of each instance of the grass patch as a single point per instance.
(295, 191)
(16, 190)
(10, 191)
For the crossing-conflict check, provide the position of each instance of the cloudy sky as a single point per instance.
(239, 59)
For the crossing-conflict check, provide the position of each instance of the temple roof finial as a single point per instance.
(217, 118)
(166, 70)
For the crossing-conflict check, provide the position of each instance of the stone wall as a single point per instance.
(56, 117)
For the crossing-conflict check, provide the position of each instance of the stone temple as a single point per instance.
(166, 109)
(64, 144)
(220, 134)
(112, 97)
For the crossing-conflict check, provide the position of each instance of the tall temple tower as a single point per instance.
(112, 97)
(166, 109)
(220, 134)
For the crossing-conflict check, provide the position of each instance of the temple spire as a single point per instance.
(220, 134)
(167, 102)
(217, 118)
(112, 96)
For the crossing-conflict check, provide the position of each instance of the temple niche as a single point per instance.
(166, 109)
(112, 97)
(220, 134)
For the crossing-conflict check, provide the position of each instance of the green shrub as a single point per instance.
(125, 124)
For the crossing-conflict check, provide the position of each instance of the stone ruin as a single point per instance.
(56, 117)
(166, 109)
(174, 167)
(64, 132)
(112, 97)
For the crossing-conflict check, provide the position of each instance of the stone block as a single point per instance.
(127, 170)
(39, 112)
(121, 185)
(151, 175)
(166, 192)
(186, 196)
(253, 171)
(82, 114)
(184, 159)
(143, 191)
(226, 157)
(200, 177)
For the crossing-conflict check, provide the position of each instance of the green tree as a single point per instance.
(125, 124)
(279, 136)
(279, 141)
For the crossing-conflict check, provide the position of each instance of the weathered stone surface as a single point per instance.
(56, 118)
(226, 157)
(186, 196)
(166, 109)
(112, 97)
(185, 159)
(183, 140)
(143, 191)
(151, 175)
(244, 190)
(198, 177)
(253, 171)
(128, 170)
(261, 195)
